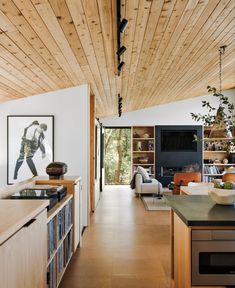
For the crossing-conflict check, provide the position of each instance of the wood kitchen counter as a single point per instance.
(14, 214)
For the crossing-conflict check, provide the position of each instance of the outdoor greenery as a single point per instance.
(117, 155)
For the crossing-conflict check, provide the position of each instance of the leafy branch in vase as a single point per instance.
(224, 111)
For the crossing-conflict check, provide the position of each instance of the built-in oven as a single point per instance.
(213, 257)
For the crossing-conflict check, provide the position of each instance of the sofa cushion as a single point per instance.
(143, 172)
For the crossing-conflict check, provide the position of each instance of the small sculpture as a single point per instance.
(225, 161)
(146, 135)
(56, 170)
(139, 146)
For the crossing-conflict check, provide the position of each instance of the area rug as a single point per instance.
(155, 204)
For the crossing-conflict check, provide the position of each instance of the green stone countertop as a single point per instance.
(200, 210)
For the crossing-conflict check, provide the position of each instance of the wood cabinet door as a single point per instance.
(13, 261)
(36, 242)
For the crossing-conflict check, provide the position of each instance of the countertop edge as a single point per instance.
(199, 222)
(42, 204)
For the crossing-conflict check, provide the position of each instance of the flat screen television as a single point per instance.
(178, 140)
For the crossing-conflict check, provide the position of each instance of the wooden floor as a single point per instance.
(124, 247)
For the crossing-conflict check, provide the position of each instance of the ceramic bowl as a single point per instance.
(143, 160)
(222, 196)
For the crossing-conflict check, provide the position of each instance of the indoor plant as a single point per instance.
(223, 119)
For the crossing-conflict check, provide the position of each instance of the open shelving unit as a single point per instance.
(143, 148)
(214, 154)
(59, 228)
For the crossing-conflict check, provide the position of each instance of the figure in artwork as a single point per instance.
(32, 140)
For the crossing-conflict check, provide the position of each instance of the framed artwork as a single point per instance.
(30, 146)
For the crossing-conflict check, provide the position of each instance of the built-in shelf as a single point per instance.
(51, 213)
(216, 155)
(218, 139)
(143, 148)
(218, 164)
(143, 151)
(143, 138)
(212, 151)
(58, 245)
(140, 164)
(213, 174)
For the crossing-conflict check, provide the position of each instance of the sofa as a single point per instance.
(147, 188)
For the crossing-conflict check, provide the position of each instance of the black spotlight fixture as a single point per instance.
(119, 105)
(121, 50)
(123, 25)
(120, 66)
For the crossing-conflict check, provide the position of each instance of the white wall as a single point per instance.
(176, 113)
(70, 108)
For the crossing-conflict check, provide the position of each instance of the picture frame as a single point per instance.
(30, 146)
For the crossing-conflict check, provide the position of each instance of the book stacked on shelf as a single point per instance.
(64, 220)
(212, 170)
(52, 274)
(68, 215)
(68, 247)
(51, 247)
(60, 259)
(60, 225)
(59, 243)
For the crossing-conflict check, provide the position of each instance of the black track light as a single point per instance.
(123, 25)
(120, 66)
(121, 50)
(119, 105)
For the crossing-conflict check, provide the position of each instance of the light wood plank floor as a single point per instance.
(124, 247)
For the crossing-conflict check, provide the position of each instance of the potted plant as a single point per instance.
(223, 121)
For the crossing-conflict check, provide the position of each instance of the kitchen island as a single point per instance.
(202, 240)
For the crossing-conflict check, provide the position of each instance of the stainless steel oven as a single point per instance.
(213, 257)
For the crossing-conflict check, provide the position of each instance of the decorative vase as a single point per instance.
(139, 146)
(219, 127)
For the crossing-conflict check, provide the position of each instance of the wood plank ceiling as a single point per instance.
(172, 49)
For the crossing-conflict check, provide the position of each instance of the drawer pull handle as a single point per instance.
(29, 223)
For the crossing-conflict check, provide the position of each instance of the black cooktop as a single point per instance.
(51, 193)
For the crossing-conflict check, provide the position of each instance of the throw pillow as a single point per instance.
(144, 173)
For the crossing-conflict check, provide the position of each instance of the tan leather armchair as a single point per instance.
(183, 178)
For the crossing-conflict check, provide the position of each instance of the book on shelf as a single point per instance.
(51, 232)
(68, 247)
(64, 220)
(212, 170)
(60, 259)
(61, 251)
(52, 274)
